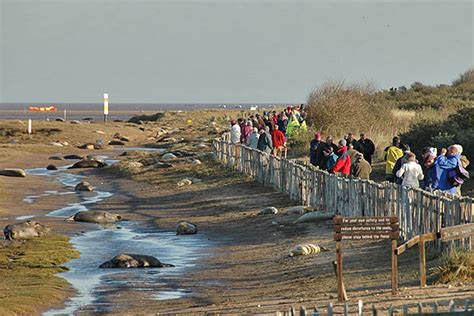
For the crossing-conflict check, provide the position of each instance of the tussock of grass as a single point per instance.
(27, 271)
(456, 266)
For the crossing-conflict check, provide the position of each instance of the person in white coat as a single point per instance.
(411, 172)
(234, 132)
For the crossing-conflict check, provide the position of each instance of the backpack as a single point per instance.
(457, 175)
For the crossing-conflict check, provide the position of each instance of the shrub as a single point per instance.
(466, 77)
(457, 128)
(456, 266)
(337, 108)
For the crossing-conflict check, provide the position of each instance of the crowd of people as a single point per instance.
(353, 158)
(269, 132)
(348, 157)
(444, 172)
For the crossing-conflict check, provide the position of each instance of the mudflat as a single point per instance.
(245, 266)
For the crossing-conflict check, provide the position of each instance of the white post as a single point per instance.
(106, 106)
(65, 114)
(29, 126)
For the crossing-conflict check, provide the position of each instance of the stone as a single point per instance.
(84, 186)
(185, 182)
(268, 210)
(168, 156)
(185, 228)
(12, 172)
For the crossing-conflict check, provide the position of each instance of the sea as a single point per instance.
(117, 111)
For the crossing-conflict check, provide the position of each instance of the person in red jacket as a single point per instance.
(278, 139)
(343, 162)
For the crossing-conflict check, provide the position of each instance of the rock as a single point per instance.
(25, 230)
(84, 186)
(146, 118)
(75, 122)
(296, 210)
(196, 162)
(13, 173)
(60, 120)
(73, 157)
(268, 210)
(88, 164)
(306, 249)
(168, 156)
(133, 261)
(185, 182)
(185, 228)
(51, 167)
(314, 217)
(55, 158)
(98, 217)
(57, 144)
(116, 143)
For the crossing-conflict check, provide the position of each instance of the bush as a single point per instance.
(456, 266)
(466, 77)
(337, 108)
(457, 128)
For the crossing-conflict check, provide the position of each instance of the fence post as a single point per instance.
(302, 311)
(330, 311)
(360, 306)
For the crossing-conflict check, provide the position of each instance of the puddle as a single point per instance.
(100, 245)
(24, 217)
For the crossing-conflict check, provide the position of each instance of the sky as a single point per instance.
(224, 51)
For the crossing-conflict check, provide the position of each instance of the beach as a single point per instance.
(238, 261)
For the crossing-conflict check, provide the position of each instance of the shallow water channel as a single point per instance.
(103, 243)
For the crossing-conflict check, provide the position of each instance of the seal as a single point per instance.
(98, 217)
(84, 186)
(88, 164)
(25, 230)
(306, 249)
(185, 228)
(133, 261)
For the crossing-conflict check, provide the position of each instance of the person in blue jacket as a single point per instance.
(448, 160)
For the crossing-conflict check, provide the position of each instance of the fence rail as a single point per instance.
(419, 211)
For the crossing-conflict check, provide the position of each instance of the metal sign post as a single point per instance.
(106, 106)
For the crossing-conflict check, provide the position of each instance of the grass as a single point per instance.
(28, 273)
(455, 266)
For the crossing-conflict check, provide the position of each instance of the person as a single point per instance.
(282, 121)
(313, 149)
(234, 132)
(252, 140)
(331, 158)
(323, 163)
(411, 172)
(352, 152)
(343, 163)
(246, 130)
(278, 140)
(360, 167)
(400, 162)
(429, 156)
(265, 141)
(447, 161)
(369, 147)
(391, 155)
(355, 144)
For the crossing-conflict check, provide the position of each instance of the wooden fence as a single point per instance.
(419, 211)
(433, 308)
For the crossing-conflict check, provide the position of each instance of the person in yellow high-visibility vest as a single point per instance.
(293, 126)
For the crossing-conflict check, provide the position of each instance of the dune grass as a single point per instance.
(28, 273)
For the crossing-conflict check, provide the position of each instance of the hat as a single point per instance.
(343, 142)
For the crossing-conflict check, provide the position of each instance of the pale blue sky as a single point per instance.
(224, 51)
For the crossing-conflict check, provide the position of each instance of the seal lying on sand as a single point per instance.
(98, 217)
(133, 261)
(25, 230)
(306, 249)
(84, 186)
(13, 173)
(185, 228)
(88, 164)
